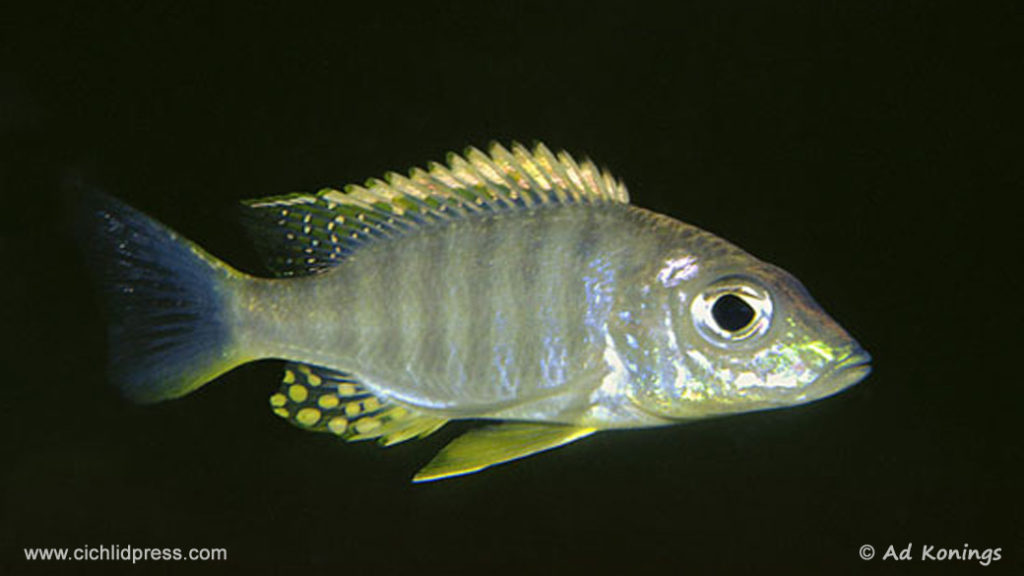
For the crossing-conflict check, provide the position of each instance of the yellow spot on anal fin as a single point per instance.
(328, 401)
(322, 400)
(308, 416)
(366, 425)
(298, 393)
(337, 425)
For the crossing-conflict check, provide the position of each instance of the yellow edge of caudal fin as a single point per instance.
(496, 444)
(322, 400)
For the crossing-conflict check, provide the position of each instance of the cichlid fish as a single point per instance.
(514, 286)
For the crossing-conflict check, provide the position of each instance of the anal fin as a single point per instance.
(323, 400)
(496, 444)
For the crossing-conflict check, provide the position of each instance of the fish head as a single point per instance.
(744, 335)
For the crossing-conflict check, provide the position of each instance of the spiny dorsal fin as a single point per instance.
(495, 444)
(322, 400)
(308, 233)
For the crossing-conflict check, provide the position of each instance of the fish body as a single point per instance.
(517, 287)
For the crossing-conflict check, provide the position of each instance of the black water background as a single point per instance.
(872, 151)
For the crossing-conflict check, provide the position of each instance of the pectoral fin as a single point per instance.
(490, 445)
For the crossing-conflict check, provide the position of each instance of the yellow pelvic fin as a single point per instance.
(322, 400)
(495, 444)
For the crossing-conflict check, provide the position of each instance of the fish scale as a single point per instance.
(543, 301)
(389, 278)
(479, 309)
(518, 287)
(459, 270)
(417, 312)
(467, 305)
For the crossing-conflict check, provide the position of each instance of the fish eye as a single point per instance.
(733, 309)
(732, 313)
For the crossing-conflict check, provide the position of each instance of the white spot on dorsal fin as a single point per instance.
(476, 183)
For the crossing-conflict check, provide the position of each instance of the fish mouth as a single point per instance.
(853, 368)
(857, 358)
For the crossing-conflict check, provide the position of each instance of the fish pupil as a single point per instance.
(732, 313)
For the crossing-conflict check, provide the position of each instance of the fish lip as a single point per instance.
(848, 371)
(854, 359)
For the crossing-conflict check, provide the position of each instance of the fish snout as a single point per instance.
(844, 372)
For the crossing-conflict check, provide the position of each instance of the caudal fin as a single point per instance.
(166, 301)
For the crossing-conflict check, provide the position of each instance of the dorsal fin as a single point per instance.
(322, 400)
(308, 233)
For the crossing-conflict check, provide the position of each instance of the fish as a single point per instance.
(514, 287)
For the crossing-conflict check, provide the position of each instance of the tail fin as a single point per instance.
(166, 301)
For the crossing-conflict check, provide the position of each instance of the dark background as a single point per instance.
(873, 151)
